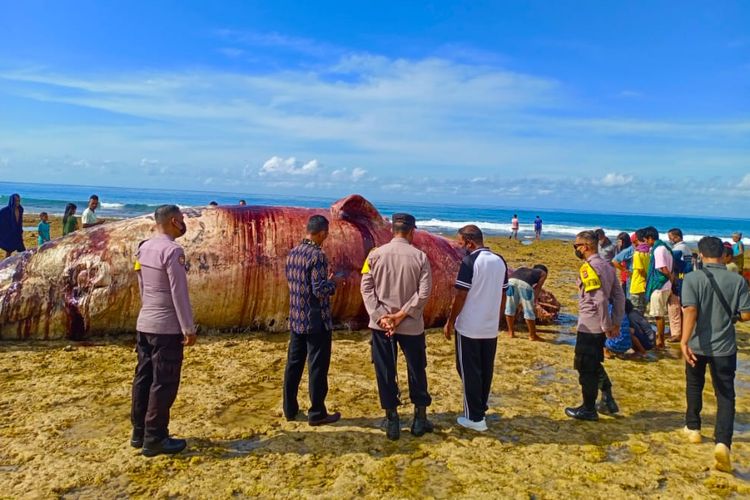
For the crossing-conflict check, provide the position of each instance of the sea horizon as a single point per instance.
(124, 202)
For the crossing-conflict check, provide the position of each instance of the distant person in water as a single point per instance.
(213, 204)
(11, 226)
(524, 285)
(513, 228)
(243, 203)
(607, 249)
(43, 229)
(538, 228)
(69, 221)
(88, 217)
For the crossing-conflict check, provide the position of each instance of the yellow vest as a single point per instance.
(589, 278)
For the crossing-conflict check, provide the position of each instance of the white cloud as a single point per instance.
(614, 180)
(446, 117)
(358, 173)
(277, 165)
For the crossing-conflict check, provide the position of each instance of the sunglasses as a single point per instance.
(576, 245)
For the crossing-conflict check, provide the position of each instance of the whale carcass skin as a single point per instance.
(84, 284)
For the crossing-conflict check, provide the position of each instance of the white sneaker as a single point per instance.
(694, 436)
(480, 426)
(723, 461)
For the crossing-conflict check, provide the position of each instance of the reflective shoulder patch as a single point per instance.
(366, 265)
(589, 278)
(137, 265)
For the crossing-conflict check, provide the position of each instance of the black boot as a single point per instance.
(166, 446)
(420, 425)
(392, 425)
(581, 413)
(136, 438)
(607, 405)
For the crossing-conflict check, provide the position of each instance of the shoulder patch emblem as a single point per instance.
(589, 279)
(181, 260)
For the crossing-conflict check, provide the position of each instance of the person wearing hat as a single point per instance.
(396, 283)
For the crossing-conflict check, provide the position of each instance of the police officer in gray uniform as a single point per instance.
(165, 326)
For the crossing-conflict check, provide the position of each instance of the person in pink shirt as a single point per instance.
(514, 228)
(165, 325)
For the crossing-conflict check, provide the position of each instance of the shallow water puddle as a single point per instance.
(242, 447)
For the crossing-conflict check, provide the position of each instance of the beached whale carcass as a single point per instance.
(84, 284)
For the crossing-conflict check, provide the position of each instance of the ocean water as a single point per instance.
(440, 218)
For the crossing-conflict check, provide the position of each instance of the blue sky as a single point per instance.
(567, 104)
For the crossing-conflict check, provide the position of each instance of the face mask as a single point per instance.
(182, 227)
(579, 254)
(466, 250)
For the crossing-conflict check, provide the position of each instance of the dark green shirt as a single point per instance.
(70, 225)
(714, 333)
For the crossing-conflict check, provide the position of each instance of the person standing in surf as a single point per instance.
(514, 228)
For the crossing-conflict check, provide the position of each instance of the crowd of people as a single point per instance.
(700, 295)
(11, 222)
(651, 272)
(396, 285)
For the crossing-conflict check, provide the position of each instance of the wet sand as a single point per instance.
(64, 422)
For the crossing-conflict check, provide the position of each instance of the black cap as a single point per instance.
(406, 220)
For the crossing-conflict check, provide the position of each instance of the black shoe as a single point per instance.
(167, 446)
(392, 425)
(607, 405)
(291, 417)
(421, 425)
(136, 438)
(582, 413)
(328, 419)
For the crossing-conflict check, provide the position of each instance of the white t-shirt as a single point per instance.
(88, 216)
(663, 258)
(485, 275)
